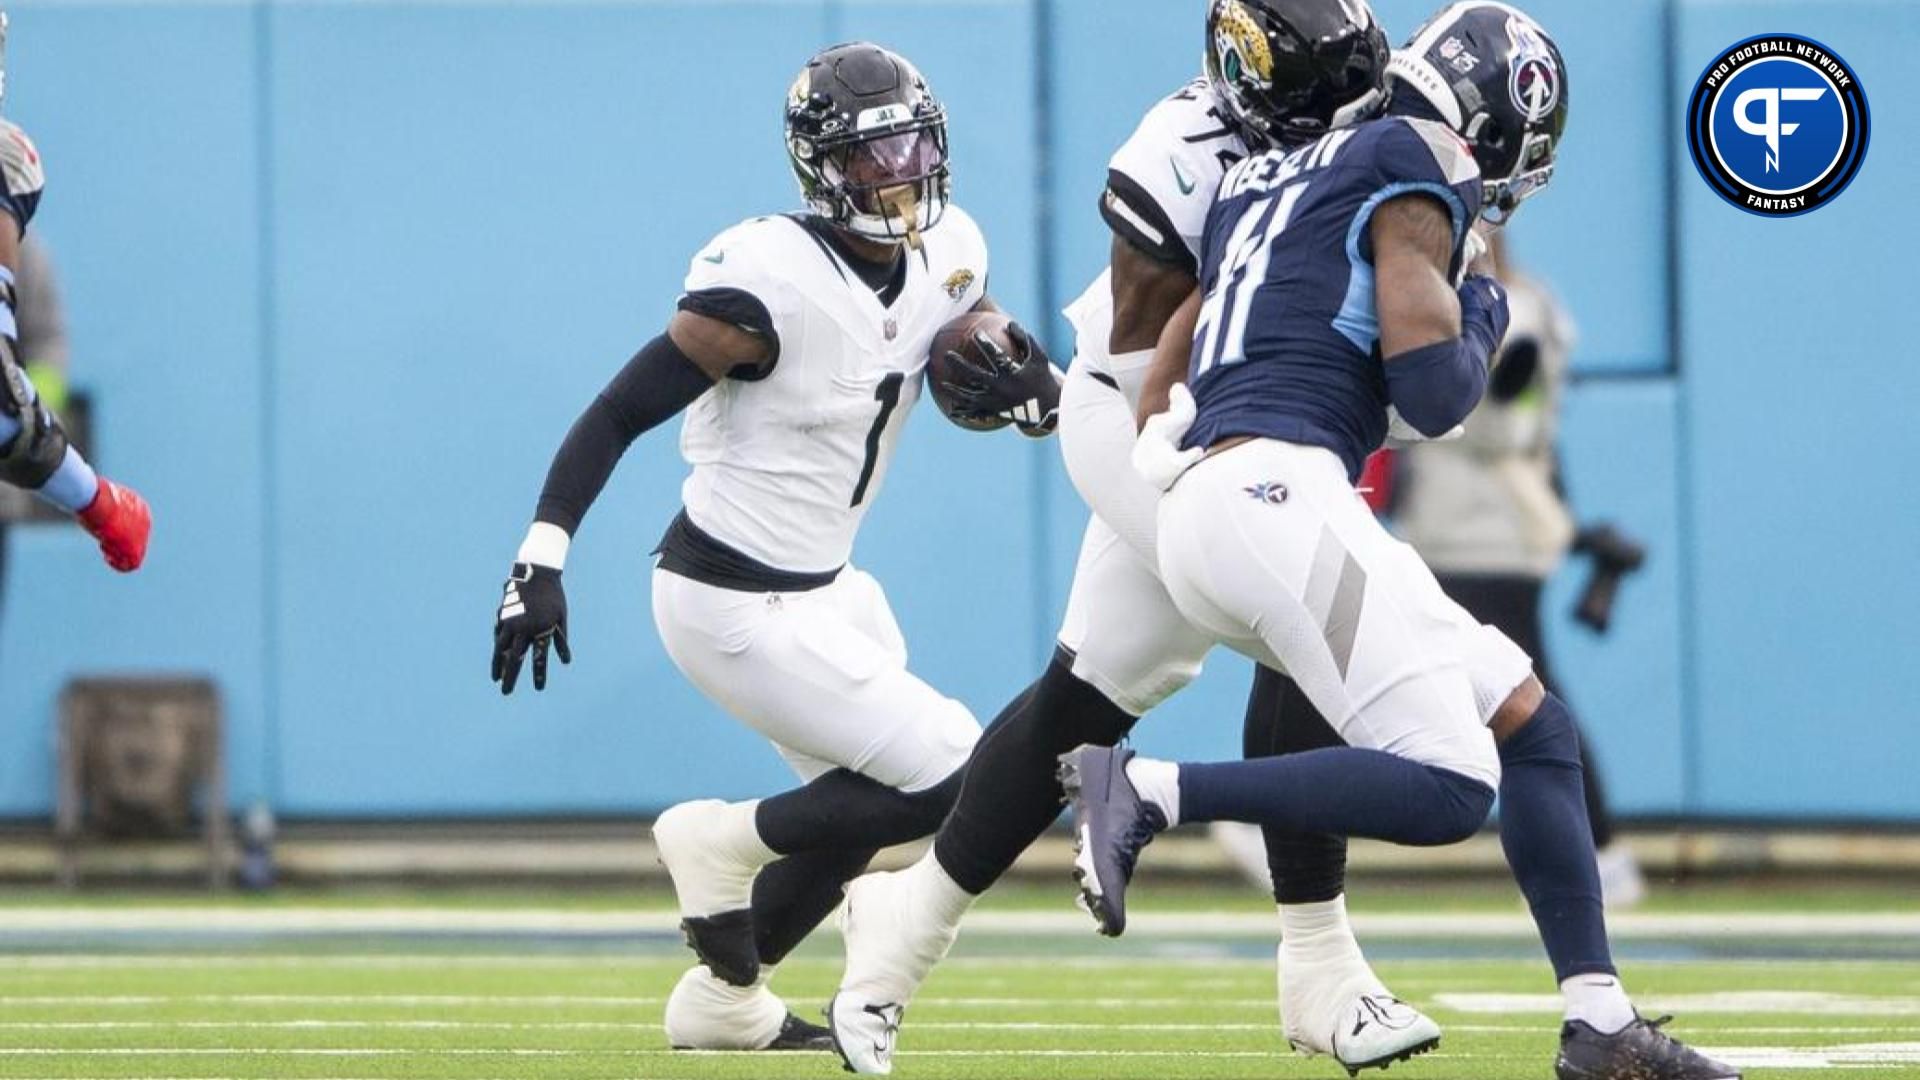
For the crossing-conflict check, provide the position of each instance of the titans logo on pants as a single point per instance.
(1778, 125)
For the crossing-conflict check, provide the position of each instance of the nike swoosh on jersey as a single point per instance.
(716, 258)
(1186, 185)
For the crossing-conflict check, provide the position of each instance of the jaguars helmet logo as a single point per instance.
(1242, 46)
(958, 283)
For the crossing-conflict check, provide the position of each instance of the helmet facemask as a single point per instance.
(892, 188)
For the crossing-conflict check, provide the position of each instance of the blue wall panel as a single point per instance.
(146, 117)
(1798, 409)
(474, 232)
(1618, 449)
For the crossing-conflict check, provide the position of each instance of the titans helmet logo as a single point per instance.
(1535, 80)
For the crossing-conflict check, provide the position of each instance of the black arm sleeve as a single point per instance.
(655, 385)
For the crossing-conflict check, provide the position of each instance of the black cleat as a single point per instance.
(797, 1034)
(1639, 1051)
(724, 943)
(1111, 823)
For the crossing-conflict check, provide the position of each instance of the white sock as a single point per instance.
(933, 890)
(1158, 782)
(1600, 1000)
(740, 834)
(1318, 936)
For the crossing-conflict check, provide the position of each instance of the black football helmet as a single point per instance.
(868, 142)
(1289, 71)
(1495, 76)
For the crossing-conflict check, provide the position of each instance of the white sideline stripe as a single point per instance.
(307, 1024)
(1821, 1057)
(203, 920)
(1746, 1003)
(1800, 1003)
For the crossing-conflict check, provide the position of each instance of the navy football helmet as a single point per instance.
(868, 143)
(1288, 71)
(1495, 76)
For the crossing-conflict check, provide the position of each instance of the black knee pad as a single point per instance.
(1073, 712)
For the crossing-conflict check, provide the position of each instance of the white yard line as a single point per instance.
(1747, 1003)
(293, 920)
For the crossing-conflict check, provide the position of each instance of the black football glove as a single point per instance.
(533, 612)
(1021, 387)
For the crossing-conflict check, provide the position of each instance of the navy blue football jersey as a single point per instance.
(1288, 343)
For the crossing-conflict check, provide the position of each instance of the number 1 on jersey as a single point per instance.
(888, 395)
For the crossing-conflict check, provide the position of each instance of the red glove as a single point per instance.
(118, 517)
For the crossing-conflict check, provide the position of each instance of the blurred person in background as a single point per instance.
(1487, 512)
(43, 355)
(34, 452)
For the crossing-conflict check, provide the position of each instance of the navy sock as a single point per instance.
(1549, 843)
(1344, 790)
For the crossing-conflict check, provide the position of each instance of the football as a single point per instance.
(959, 338)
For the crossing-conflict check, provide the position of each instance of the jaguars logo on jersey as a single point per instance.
(958, 283)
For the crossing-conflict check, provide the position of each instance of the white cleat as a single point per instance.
(1350, 1016)
(714, 883)
(892, 946)
(1375, 1030)
(864, 1032)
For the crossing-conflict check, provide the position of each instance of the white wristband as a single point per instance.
(546, 545)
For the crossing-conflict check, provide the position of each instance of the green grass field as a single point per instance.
(131, 988)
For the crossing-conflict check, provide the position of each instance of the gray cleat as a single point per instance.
(1639, 1051)
(1111, 823)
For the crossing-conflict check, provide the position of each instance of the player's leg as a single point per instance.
(1325, 982)
(1131, 642)
(1267, 548)
(1511, 604)
(824, 677)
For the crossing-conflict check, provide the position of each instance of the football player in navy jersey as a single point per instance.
(1279, 72)
(1337, 302)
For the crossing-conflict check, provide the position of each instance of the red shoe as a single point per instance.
(119, 518)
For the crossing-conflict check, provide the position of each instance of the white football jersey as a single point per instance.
(785, 464)
(1160, 185)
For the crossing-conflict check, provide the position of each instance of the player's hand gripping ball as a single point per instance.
(985, 372)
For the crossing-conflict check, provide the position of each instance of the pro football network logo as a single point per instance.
(1778, 125)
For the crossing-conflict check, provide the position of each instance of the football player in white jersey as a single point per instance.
(797, 352)
(34, 452)
(1281, 72)
(1123, 646)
